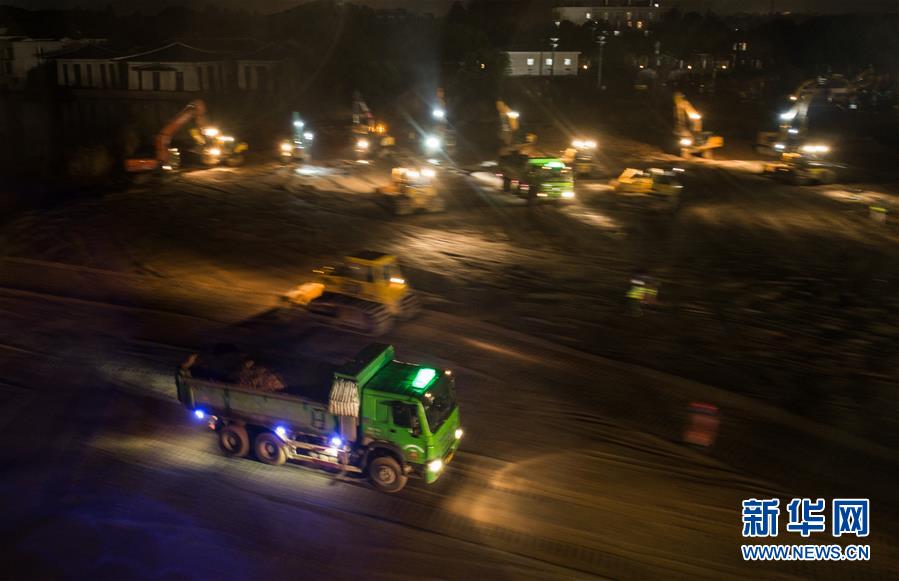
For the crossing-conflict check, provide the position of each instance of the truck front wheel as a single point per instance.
(386, 475)
(234, 441)
(270, 449)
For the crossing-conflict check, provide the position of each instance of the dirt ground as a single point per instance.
(777, 303)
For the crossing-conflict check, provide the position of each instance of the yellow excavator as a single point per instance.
(691, 139)
(366, 294)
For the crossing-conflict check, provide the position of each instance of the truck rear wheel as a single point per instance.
(234, 441)
(385, 474)
(270, 449)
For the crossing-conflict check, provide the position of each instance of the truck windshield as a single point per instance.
(439, 402)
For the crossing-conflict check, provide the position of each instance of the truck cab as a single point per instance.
(413, 411)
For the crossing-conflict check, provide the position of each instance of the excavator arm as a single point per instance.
(194, 110)
(687, 119)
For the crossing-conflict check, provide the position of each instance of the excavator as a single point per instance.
(370, 138)
(802, 160)
(212, 145)
(691, 139)
(297, 147)
(366, 294)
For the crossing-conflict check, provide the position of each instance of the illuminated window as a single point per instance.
(567, 62)
(549, 62)
(530, 62)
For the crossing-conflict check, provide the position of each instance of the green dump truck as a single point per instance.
(373, 416)
(539, 179)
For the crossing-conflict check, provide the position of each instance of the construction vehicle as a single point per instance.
(412, 190)
(372, 416)
(805, 166)
(581, 156)
(691, 139)
(652, 186)
(370, 137)
(648, 181)
(212, 146)
(296, 149)
(365, 294)
(545, 179)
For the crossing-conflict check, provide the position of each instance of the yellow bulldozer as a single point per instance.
(412, 190)
(366, 294)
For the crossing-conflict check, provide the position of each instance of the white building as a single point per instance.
(637, 14)
(263, 69)
(20, 54)
(546, 63)
(176, 67)
(90, 67)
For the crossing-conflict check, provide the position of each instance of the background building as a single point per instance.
(545, 63)
(618, 13)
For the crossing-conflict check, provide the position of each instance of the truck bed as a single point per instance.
(307, 378)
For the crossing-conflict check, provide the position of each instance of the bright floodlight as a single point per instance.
(215, 151)
(695, 116)
(286, 146)
(438, 113)
(788, 115)
(210, 131)
(590, 144)
(308, 136)
(686, 141)
(577, 144)
(200, 414)
(362, 144)
(297, 123)
(428, 172)
(512, 114)
(432, 142)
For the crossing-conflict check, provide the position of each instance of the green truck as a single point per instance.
(537, 178)
(373, 416)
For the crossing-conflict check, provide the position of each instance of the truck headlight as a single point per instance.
(435, 465)
(459, 433)
(214, 151)
(568, 195)
(286, 147)
(686, 141)
(362, 144)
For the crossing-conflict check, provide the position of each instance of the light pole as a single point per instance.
(555, 43)
(601, 41)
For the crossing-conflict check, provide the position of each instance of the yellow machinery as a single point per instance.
(653, 183)
(691, 139)
(215, 147)
(365, 294)
(805, 166)
(581, 156)
(412, 190)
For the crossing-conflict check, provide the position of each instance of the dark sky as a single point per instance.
(439, 6)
